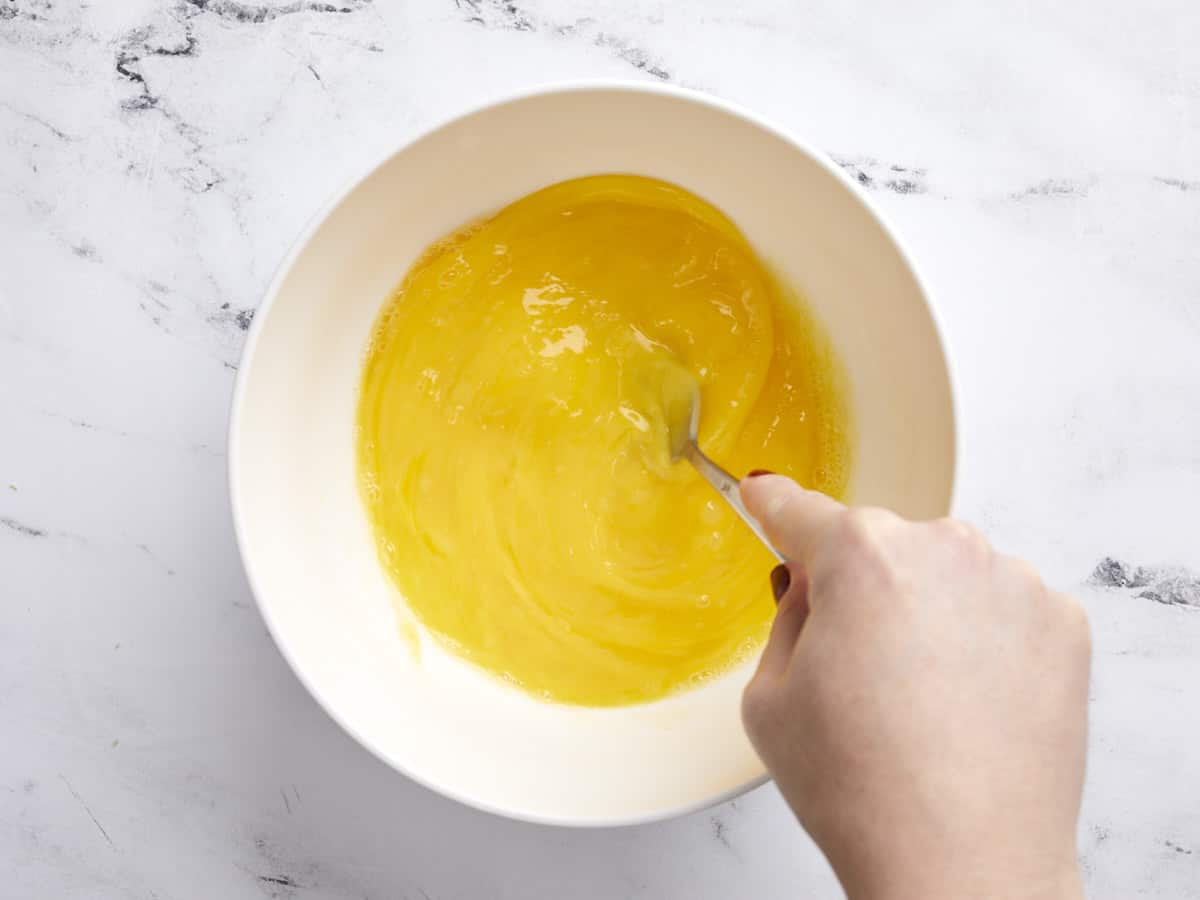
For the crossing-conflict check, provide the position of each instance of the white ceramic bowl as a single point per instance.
(302, 530)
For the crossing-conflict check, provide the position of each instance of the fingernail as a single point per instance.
(781, 580)
(754, 473)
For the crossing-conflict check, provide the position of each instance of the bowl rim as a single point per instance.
(300, 243)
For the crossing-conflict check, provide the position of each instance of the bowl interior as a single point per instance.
(303, 533)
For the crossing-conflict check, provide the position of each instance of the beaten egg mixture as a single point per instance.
(513, 438)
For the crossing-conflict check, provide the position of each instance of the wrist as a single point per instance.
(931, 881)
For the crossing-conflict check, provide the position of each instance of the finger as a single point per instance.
(792, 517)
(785, 630)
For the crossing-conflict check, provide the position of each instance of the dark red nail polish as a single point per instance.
(754, 473)
(781, 580)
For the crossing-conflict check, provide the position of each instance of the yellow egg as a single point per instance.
(513, 445)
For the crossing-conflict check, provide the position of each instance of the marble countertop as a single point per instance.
(156, 159)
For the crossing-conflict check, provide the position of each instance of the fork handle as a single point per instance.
(727, 486)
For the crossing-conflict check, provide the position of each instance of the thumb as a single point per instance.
(793, 517)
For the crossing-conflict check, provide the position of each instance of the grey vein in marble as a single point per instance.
(1172, 586)
(511, 16)
(1052, 187)
(871, 174)
(21, 528)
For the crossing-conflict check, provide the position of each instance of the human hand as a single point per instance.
(921, 703)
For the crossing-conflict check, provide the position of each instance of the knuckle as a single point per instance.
(964, 535)
(862, 547)
(1024, 574)
(948, 527)
(1076, 620)
(863, 526)
(757, 706)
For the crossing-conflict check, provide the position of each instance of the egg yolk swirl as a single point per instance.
(513, 438)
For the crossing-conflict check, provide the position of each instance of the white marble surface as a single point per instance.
(156, 158)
